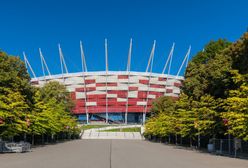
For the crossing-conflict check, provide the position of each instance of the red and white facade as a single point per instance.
(105, 93)
(115, 92)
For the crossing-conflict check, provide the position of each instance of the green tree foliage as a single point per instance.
(236, 106)
(206, 69)
(186, 116)
(59, 93)
(161, 125)
(238, 51)
(206, 115)
(215, 89)
(13, 112)
(162, 104)
(162, 121)
(51, 114)
(15, 96)
(28, 110)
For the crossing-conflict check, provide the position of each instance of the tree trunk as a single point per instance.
(25, 137)
(47, 139)
(190, 141)
(32, 139)
(42, 139)
(199, 141)
(52, 137)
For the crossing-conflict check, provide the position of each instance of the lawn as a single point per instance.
(133, 129)
(85, 127)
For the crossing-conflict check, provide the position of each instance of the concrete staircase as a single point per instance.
(98, 133)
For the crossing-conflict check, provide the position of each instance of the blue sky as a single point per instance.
(29, 24)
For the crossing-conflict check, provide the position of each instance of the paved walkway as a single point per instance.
(115, 154)
(98, 133)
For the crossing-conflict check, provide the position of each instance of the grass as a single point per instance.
(85, 127)
(133, 129)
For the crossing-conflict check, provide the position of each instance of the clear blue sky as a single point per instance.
(29, 24)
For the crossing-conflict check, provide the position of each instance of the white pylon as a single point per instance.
(62, 60)
(27, 64)
(84, 69)
(128, 71)
(185, 58)
(169, 57)
(84, 66)
(43, 62)
(150, 60)
(106, 82)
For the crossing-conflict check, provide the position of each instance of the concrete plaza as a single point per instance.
(115, 154)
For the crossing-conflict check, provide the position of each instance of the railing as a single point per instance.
(226, 147)
(231, 147)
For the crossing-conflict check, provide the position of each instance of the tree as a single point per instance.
(15, 96)
(51, 112)
(236, 106)
(238, 51)
(162, 104)
(206, 68)
(206, 115)
(59, 93)
(25, 109)
(186, 116)
(162, 120)
(214, 94)
(13, 113)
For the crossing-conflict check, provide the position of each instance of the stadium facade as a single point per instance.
(113, 96)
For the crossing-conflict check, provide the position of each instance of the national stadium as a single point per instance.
(113, 96)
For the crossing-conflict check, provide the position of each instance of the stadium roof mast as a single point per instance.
(62, 62)
(128, 71)
(186, 58)
(149, 66)
(84, 66)
(106, 81)
(27, 64)
(129, 56)
(43, 62)
(169, 58)
(84, 69)
(187, 62)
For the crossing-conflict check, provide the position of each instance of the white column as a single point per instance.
(128, 71)
(84, 69)
(106, 81)
(150, 60)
